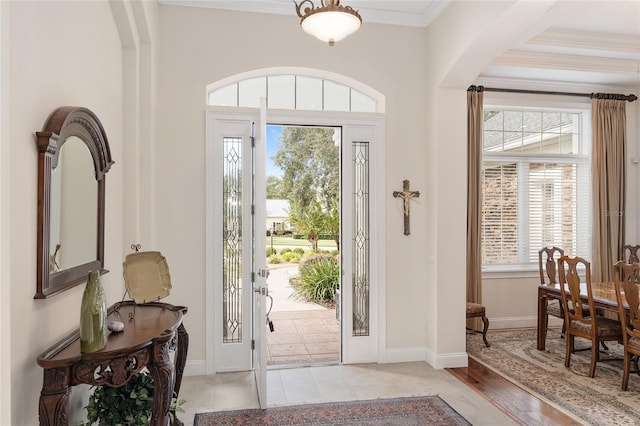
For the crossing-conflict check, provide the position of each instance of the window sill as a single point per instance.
(510, 271)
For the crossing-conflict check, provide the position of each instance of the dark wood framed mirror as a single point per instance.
(73, 160)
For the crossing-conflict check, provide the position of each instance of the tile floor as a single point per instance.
(291, 386)
(307, 333)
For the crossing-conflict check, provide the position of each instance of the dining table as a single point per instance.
(604, 297)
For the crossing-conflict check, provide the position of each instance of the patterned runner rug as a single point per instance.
(414, 411)
(597, 401)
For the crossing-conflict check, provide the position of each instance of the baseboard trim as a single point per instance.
(519, 322)
(450, 360)
(195, 368)
(437, 361)
(404, 355)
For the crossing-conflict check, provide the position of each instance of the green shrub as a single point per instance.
(299, 250)
(310, 253)
(318, 280)
(291, 257)
(274, 258)
(335, 252)
(286, 257)
(271, 251)
(131, 404)
(285, 250)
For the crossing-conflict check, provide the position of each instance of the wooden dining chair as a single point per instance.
(630, 253)
(476, 310)
(627, 282)
(547, 261)
(592, 327)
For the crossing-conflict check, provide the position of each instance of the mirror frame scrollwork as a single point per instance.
(63, 123)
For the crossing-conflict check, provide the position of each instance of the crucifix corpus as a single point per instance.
(406, 196)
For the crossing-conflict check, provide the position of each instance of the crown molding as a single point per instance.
(265, 6)
(373, 12)
(588, 40)
(412, 18)
(519, 58)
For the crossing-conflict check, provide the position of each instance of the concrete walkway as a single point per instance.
(304, 333)
(281, 291)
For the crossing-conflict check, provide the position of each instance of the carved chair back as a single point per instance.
(627, 283)
(569, 276)
(547, 258)
(631, 253)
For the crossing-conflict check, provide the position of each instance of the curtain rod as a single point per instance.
(617, 97)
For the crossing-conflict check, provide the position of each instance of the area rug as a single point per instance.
(595, 401)
(413, 411)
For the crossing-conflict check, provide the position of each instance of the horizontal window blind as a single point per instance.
(499, 212)
(535, 186)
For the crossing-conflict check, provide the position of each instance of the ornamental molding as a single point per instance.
(519, 58)
(587, 40)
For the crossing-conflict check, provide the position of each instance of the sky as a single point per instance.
(273, 144)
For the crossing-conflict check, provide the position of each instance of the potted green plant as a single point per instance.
(130, 405)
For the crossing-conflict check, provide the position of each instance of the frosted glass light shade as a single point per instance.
(330, 26)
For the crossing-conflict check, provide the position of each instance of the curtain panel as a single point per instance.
(474, 198)
(609, 180)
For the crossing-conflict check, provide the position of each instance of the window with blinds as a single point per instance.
(535, 185)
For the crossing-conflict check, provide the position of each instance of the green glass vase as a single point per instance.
(93, 315)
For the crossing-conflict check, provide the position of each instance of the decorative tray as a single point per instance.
(146, 276)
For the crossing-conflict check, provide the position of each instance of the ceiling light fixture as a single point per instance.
(330, 22)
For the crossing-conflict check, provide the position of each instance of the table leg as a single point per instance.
(181, 359)
(54, 398)
(164, 376)
(542, 316)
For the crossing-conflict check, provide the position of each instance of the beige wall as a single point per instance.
(221, 44)
(5, 224)
(62, 53)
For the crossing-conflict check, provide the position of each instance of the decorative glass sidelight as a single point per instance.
(361, 239)
(232, 240)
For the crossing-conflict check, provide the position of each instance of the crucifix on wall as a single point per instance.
(406, 196)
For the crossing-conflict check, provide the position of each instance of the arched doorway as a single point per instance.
(235, 156)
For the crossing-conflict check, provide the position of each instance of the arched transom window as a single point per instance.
(295, 89)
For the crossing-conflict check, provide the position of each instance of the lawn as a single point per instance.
(292, 242)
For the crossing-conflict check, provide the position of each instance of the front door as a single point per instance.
(259, 259)
(236, 264)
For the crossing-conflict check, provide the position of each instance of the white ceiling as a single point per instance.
(588, 41)
(417, 13)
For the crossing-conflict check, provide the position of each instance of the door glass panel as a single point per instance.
(232, 240)
(361, 238)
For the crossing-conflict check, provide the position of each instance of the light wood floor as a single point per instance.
(515, 402)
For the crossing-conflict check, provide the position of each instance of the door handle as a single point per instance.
(261, 290)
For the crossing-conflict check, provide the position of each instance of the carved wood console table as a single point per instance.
(151, 331)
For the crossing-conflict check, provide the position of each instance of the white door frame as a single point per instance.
(356, 127)
(367, 127)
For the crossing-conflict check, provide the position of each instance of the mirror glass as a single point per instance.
(74, 212)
